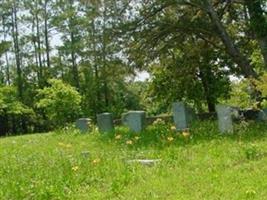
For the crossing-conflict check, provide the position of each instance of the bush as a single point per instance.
(262, 87)
(60, 102)
(240, 95)
(14, 115)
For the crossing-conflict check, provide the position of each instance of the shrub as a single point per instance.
(9, 103)
(14, 115)
(262, 87)
(240, 95)
(60, 102)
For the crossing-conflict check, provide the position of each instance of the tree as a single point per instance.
(69, 22)
(206, 19)
(15, 36)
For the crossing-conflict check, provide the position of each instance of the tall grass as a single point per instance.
(203, 164)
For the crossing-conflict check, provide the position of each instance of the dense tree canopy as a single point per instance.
(192, 49)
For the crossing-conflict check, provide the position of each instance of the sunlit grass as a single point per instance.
(198, 164)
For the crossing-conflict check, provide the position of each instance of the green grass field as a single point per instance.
(68, 165)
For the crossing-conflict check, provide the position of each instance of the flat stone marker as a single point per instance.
(145, 162)
(84, 124)
(135, 120)
(225, 120)
(182, 115)
(105, 122)
(85, 154)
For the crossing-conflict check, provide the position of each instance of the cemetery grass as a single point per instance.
(200, 165)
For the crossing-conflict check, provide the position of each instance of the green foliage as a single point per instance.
(4, 46)
(100, 44)
(60, 102)
(262, 87)
(240, 95)
(181, 80)
(256, 58)
(262, 84)
(10, 104)
(125, 97)
(252, 152)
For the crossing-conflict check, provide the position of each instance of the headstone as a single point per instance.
(105, 122)
(84, 124)
(262, 116)
(225, 120)
(144, 162)
(182, 115)
(135, 120)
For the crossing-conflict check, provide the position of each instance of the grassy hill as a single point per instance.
(203, 165)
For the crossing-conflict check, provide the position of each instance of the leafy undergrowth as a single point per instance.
(196, 164)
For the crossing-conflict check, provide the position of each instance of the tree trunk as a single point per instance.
(75, 71)
(39, 51)
(4, 124)
(242, 61)
(98, 96)
(17, 49)
(35, 48)
(6, 54)
(104, 56)
(74, 65)
(205, 75)
(46, 35)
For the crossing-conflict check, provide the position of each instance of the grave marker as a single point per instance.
(135, 120)
(84, 124)
(225, 120)
(182, 115)
(105, 122)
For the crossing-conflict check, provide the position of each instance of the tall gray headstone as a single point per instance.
(225, 118)
(182, 115)
(105, 122)
(135, 120)
(84, 124)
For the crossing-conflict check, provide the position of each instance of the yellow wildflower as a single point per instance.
(61, 144)
(75, 168)
(186, 134)
(158, 121)
(118, 137)
(64, 145)
(95, 161)
(170, 139)
(129, 142)
(68, 145)
(173, 128)
(136, 138)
